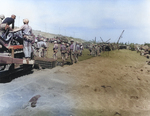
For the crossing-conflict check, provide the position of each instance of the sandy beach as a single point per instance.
(116, 84)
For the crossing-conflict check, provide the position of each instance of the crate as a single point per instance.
(46, 63)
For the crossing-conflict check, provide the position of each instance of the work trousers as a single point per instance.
(27, 48)
(73, 57)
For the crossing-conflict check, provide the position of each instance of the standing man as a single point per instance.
(77, 51)
(41, 43)
(72, 51)
(67, 51)
(41, 47)
(90, 48)
(81, 49)
(55, 50)
(63, 51)
(95, 49)
(99, 50)
(28, 38)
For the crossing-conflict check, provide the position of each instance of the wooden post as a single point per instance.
(12, 52)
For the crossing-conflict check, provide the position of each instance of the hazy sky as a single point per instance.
(85, 19)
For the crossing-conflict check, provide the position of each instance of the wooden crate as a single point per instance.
(45, 63)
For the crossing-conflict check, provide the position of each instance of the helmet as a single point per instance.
(72, 40)
(55, 42)
(63, 43)
(2, 16)
(26, 21)
(41, 39)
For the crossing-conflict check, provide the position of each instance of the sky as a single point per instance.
(85, 19)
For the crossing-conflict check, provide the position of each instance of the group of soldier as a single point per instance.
(96, 49)
(144, 50)
(68, 49)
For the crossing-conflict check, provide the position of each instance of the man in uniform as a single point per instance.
(63, 51)
(28, 38)
(72, 51)
(90, 48)
(55, 50)
(99, 50)
(41, 47)
(77, 50)
(95, 48)
(81, 49)
(67, 50)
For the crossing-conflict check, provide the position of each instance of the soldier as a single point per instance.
(41, 47)
(90, 48)
(99, 50)
(28, 36)
(77, 50)
(63, 51)
(72, 58)
(112, 46)
(67, 51)
(95, 50)
(55, 50)
(98, 47)
(81, 49)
